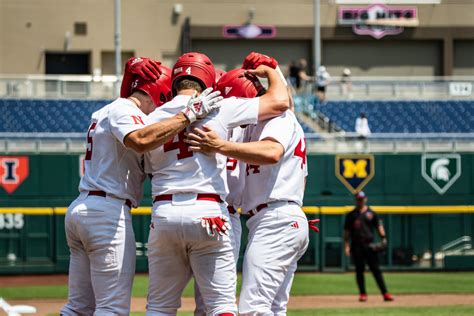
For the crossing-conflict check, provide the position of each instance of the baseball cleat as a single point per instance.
(387, 297)
(363, 298)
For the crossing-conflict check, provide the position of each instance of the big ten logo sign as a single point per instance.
(355, 171)
(378, 20)
(14, 170)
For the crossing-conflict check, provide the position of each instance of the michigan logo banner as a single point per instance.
(13, 171)
(355, 171)
(441, 170)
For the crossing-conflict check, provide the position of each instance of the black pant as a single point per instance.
(362, 255)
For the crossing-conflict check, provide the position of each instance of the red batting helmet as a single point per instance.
(195, 66)
(236, 83)
(219, 74)
(158, 90)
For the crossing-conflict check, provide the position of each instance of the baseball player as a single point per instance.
(275, 157)
(359, 228)
(98, 223)
(189, 192)
(234, 83)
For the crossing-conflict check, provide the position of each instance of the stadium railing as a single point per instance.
(316, 143)
(387, 88)
(58, 86)
(88, 86)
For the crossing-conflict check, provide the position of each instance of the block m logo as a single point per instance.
(355, 171)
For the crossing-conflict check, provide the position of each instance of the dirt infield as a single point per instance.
(296, 302)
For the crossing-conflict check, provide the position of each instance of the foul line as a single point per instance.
(322, 210)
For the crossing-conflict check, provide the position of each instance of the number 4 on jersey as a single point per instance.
(180, 145)
(300, 151)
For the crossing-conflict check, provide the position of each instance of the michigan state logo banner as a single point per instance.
(355, 171)
(441, 170)
(13, 171)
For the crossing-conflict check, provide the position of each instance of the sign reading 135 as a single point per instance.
(11, 221)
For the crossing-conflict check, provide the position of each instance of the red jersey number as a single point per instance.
(231, 164)
(300, 151)
(180, 145)
(255, 169)
(89, 142)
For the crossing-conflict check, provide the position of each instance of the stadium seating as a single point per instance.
(73, 116)
(52, 116)
(450, 116)
(47, 116)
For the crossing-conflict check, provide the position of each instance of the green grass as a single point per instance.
(304, 284)
(386, 311)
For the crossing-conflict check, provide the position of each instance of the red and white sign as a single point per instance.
(13, 171)
(378, 20)
(249, 31)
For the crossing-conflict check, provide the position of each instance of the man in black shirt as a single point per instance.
(359, 228)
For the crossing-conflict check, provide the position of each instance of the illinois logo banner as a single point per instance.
(13, 171)
(355, 171)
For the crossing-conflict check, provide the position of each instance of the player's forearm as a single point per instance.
(155, 135)
(381, 230)
(346, 237)
(275, 101)
(263, 152)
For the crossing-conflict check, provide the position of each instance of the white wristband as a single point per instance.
(191, 116)
(278, 70)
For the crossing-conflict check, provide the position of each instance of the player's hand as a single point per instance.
(200, 106)
(203, 140)
(216, 226)
(261, 71)
(312, 225)
(254, 59)
(144, 67)
(347, 250)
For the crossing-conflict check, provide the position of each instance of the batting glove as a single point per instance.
(218, 225)
(200, 106)
(312, 225)
(253, 60)
(144, 67)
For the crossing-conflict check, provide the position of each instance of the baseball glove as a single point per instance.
(379, 246)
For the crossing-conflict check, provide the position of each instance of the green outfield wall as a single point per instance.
(425, 201)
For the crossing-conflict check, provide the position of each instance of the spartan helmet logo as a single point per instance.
(439, 170)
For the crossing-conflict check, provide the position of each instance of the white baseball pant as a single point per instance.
(179, 247)
(237, 233)
(100, 237)
(278, 237)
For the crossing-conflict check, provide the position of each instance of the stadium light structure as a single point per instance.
(117, 44)
(317, 36)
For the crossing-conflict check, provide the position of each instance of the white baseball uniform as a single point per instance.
(99, 228)
(178, 246)
(278, 230)
(236, 183)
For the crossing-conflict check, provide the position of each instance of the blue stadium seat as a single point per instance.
(448, 116)
(53, 116)
(47, 116)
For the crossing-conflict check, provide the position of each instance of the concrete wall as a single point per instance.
(30, 27)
